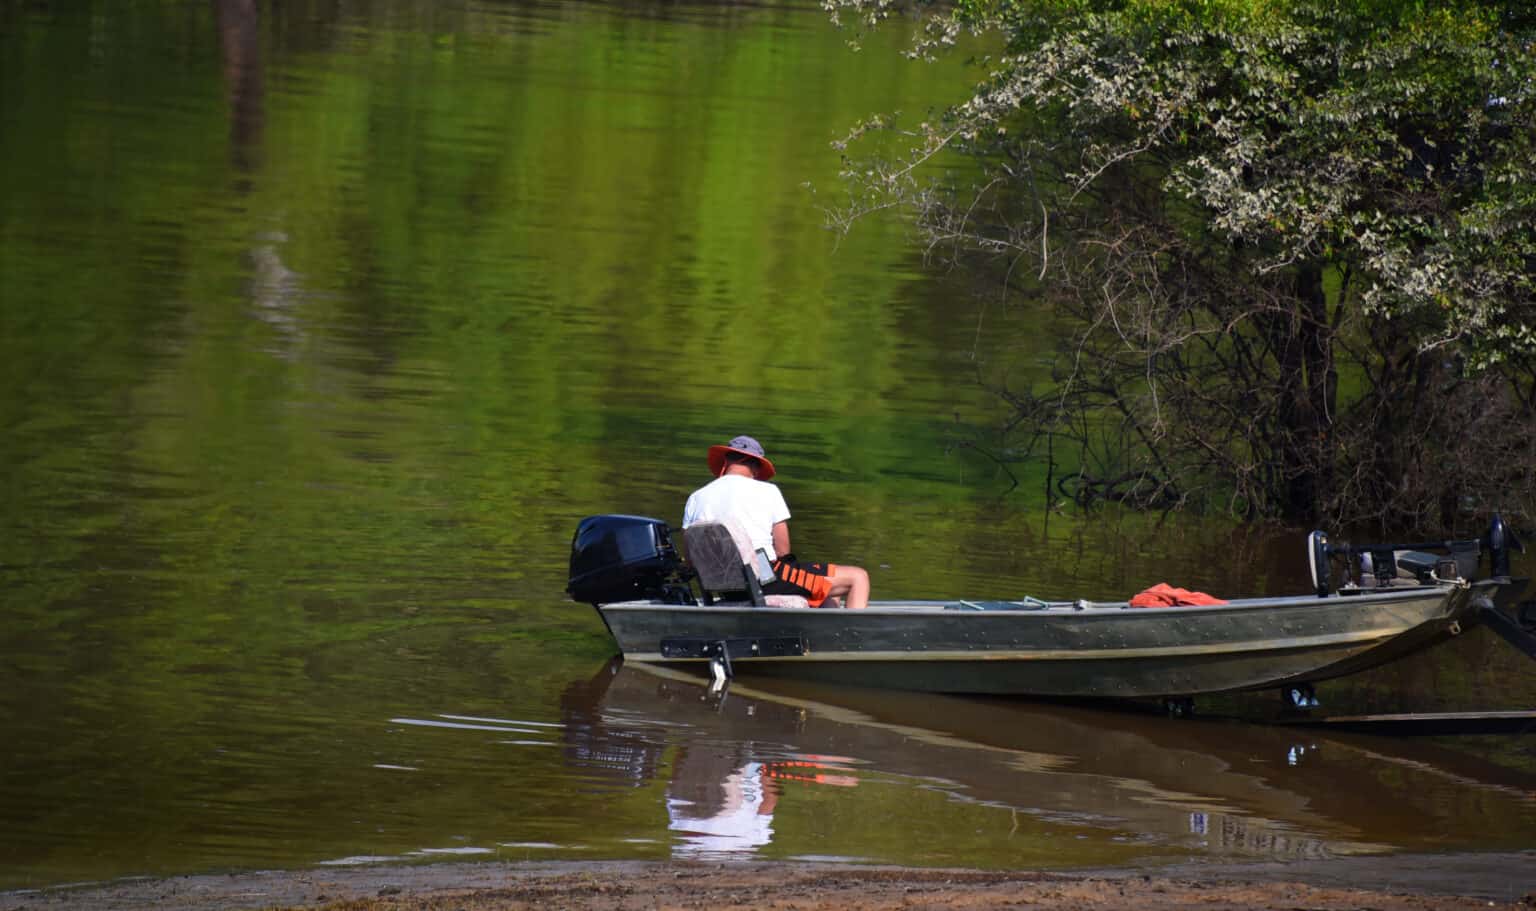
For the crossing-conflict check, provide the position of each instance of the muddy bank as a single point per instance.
(1428, 883)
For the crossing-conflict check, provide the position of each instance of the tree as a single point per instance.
(1293, 238)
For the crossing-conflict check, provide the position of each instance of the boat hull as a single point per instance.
(1061, 651)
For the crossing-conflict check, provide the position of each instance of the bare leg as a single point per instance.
(851, 584)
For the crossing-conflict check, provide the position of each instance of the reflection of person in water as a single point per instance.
(721, 793)
(721, 800)
(721, 803)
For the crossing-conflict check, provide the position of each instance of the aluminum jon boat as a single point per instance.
(709, 612)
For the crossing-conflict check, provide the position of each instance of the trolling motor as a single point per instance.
(1519, 631)
(1378, 566)
(1384, 565)
(1500, 539)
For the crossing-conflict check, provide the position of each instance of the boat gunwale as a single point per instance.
(1290, 644)
(935, 607)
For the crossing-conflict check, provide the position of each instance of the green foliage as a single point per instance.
(1239, 202)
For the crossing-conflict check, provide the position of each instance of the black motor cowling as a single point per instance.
(626, 558)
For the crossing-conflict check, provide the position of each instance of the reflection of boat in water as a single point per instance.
(643, 590)
(1039, 778)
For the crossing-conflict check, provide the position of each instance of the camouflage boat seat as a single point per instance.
(730, 570)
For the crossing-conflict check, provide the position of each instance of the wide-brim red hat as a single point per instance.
(746, 446)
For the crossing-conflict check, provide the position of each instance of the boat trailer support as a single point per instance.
(1513, 632)
(1300, 697)
(1179, 706)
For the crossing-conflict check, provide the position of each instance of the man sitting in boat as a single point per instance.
(740, 495)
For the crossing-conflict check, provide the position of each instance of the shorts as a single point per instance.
(807, 579)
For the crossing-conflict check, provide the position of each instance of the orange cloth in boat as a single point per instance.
(1164, 595)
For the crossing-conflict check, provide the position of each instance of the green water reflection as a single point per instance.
(320, 330)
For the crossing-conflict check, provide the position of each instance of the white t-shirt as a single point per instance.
(754, 506)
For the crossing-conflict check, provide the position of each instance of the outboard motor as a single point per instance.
(626, 558)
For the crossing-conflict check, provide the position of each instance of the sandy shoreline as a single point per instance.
(1427, 882)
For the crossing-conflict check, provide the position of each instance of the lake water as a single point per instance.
(322, 325)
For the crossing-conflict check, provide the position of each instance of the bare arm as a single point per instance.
(781, 538)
